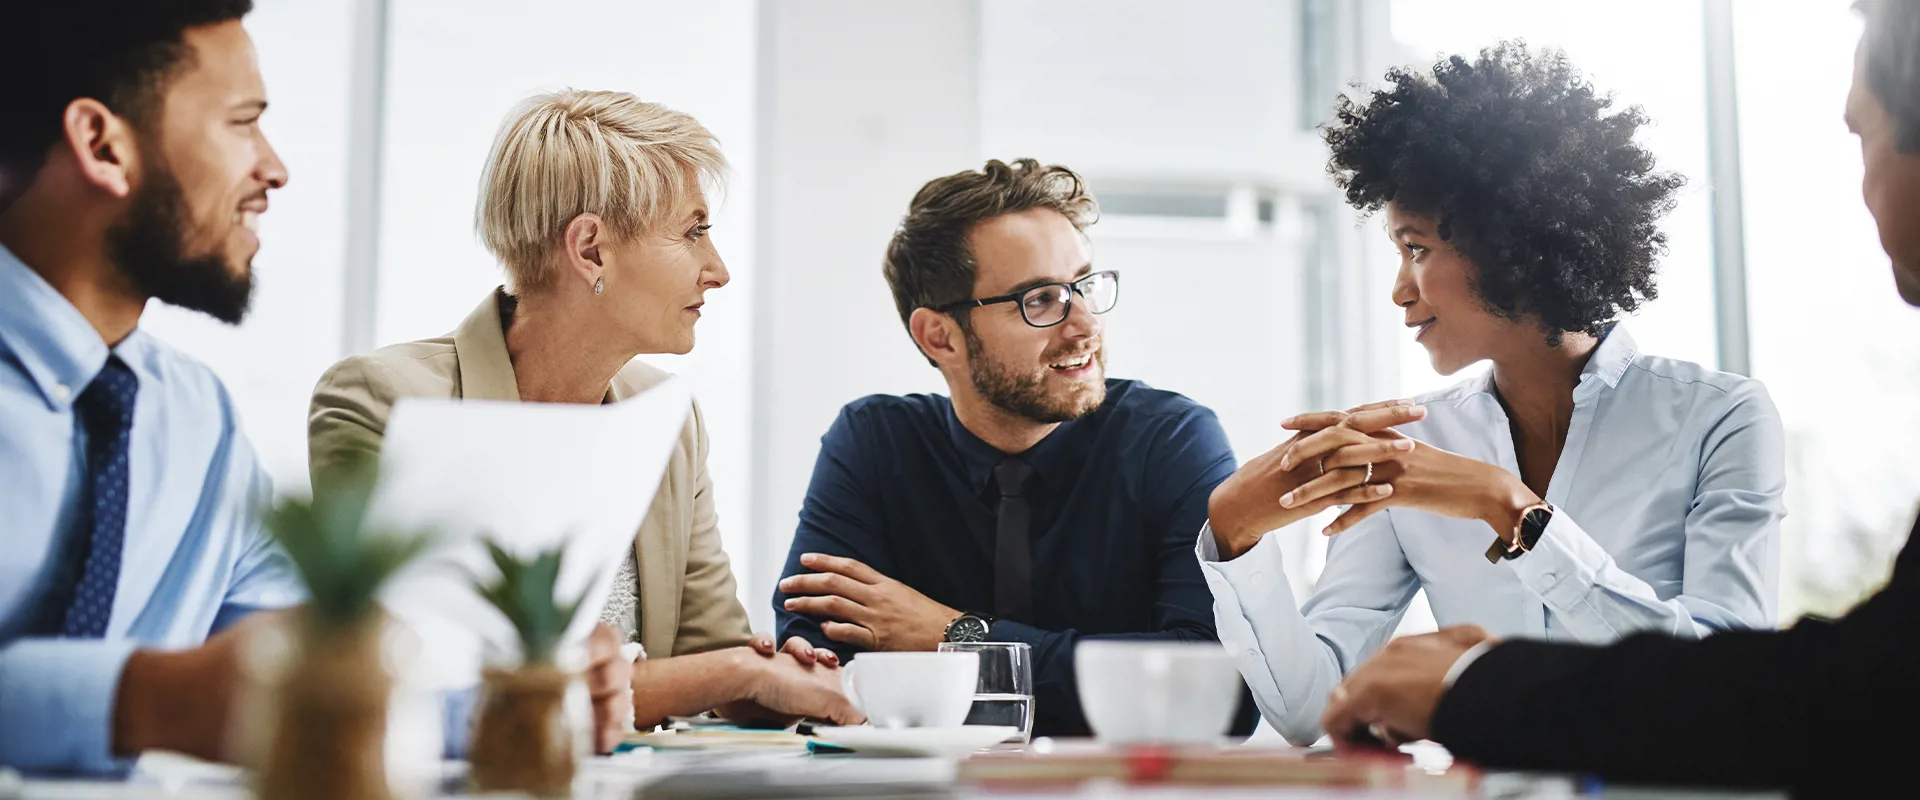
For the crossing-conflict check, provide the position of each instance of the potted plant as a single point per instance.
(332, 691)
(524, 739)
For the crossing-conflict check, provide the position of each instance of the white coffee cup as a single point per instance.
(1137, 692)
(912, 690)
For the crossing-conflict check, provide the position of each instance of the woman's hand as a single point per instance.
(1265, 493)
(784, 685)
(1427, 478)
(796, 646)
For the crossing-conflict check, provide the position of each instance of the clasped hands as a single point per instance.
(1355, 458)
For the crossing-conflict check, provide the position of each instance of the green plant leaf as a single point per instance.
(525, 594)
(342, 562)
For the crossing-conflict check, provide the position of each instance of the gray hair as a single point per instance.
(1893, 65)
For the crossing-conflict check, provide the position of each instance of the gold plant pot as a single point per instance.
(330, 718)
(523, 740)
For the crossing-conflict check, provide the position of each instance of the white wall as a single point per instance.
(270, 362)
(862, 101)
(1137, 87)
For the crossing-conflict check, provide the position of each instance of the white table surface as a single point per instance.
(791, 775)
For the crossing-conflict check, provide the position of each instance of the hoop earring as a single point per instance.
(599, 285)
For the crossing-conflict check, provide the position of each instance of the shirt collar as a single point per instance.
(55, 344)
(980, 458)
(1610, 360)
(1605, 366)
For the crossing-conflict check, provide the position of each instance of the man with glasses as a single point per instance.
(1042, 503)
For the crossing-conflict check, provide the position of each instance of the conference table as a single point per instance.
(733, 774)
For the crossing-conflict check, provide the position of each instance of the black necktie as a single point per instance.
(105, 408)
(1013, 544)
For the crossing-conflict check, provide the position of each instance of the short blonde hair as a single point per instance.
(563, 154)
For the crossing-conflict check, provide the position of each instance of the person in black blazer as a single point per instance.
(1826, 707)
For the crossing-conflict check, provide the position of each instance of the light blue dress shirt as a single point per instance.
(194, 560)
(1668, 497)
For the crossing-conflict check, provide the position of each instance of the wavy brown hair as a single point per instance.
(928, 262)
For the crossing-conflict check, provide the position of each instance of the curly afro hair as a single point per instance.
(1531, 174)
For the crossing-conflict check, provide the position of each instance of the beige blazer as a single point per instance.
(686, 593)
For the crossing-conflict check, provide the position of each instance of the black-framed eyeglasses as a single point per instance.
(1046, 305)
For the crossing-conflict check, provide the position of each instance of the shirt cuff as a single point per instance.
(56, 704)
(1252, 578)
(1466, 660)
(1563, 565)
(1006, 630)
(456, 719)
(1206, 548)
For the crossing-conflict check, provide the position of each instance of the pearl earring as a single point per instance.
(599, 285)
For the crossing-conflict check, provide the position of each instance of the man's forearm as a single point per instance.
(173, 701)
(682, 686)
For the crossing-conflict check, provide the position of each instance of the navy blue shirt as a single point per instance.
(1117, 499)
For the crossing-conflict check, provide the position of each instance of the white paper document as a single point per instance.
(529, 476)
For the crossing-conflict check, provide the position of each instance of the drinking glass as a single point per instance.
(1004, 695)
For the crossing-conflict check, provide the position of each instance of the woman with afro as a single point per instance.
(1580, 490)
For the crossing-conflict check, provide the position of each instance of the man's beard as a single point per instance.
(149, 248)
(1024, 393)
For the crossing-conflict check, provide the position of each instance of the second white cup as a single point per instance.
(1156, 692)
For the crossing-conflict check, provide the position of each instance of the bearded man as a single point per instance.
(1042, 502)
(133, 562)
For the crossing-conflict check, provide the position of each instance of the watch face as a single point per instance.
(1532, 526)
(967, 629)
(1535, 524)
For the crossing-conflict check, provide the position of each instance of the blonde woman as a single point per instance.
(595, 205)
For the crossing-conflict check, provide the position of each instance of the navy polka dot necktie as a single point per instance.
(106, 409)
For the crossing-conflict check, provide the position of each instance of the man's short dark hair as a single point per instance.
(119, 52)
(1893, 65)
(928, 263)
(1529, 172)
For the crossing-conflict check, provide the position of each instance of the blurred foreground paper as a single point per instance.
(528, 475)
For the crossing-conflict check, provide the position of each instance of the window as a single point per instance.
(1320, 77)
(1833, 342)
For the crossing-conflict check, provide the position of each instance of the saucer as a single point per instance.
(954, 741)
